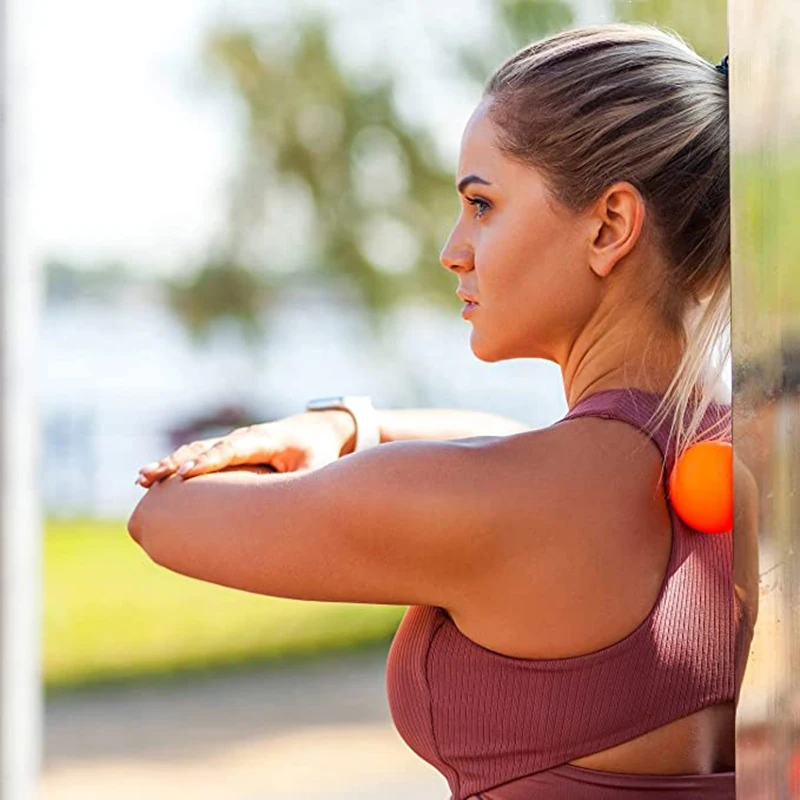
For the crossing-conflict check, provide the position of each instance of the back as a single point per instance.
(496, 724)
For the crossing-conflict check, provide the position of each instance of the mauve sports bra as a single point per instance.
(503, 728)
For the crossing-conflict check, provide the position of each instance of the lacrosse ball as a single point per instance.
(701, 487)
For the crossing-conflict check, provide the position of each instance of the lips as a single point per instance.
(466, 298)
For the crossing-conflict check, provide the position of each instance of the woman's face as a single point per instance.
(519, 253)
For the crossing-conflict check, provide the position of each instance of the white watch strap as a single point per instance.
(368, 432)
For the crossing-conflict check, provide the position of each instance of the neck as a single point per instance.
(622, 356)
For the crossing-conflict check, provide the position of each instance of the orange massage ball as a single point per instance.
(701, 487)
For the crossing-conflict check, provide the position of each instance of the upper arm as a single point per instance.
(403, 523)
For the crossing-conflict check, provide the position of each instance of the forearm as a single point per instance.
(443, 423)
(403, 424)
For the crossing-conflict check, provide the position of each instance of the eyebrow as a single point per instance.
(464, 182)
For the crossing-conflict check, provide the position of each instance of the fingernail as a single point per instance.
(149, 467)
(186, 467)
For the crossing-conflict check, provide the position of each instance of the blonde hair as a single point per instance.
(623, 102)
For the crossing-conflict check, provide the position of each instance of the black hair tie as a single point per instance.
(722, 66)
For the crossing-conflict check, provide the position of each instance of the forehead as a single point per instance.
(479, 153)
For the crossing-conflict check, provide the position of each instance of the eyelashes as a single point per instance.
(481, 206)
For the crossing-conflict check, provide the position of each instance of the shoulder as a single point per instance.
(550, 497)
(578, 515)
(465, 519)
(588, 468)
(589, 461)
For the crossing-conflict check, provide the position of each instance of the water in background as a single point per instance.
(115, 377)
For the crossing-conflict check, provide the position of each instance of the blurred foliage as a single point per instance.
(766, 187)
(341, 139)
(382, 202)
(220, 288)
(703, 25)
(154, 622)
(515, 24)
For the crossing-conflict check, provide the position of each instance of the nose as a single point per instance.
(456, 255)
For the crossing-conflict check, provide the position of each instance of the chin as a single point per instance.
(481, 351)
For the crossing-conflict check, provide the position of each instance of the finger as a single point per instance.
(174, 460)
(187, 453)
(166, 466)
(222, 454)
(157, 468)
(143, 480)
(155, 477)
(243, 449)
(146, 482)
(200, 444)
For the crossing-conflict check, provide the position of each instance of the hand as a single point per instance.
(294, 444)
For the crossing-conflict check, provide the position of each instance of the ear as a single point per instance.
(617, 219)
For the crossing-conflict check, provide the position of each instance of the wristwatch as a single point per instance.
(368, 432)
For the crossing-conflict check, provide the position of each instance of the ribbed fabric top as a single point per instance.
(486, 721)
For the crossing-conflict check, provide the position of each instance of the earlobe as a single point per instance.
(617, 217)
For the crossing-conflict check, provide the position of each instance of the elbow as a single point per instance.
(137, 523)
(143, 516)
(135, 529)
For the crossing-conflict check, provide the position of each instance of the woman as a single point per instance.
(568, 635)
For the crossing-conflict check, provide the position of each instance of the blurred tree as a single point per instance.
(515, 24)
(380, 201)
(220, 288)
(703, 25)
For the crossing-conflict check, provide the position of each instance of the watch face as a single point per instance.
(321, 403)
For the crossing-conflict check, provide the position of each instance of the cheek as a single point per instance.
(529, 258)
(533, 284)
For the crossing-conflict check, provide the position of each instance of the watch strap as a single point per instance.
(361, 409)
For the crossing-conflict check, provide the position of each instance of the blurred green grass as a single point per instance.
(111, 615)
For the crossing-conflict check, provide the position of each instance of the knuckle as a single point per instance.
(223, 447)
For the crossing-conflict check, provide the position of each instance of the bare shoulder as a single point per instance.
(580, 514)
(583, 465)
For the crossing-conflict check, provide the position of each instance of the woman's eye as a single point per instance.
(481, 206)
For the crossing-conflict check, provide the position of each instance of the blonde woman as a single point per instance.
(567, 636)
